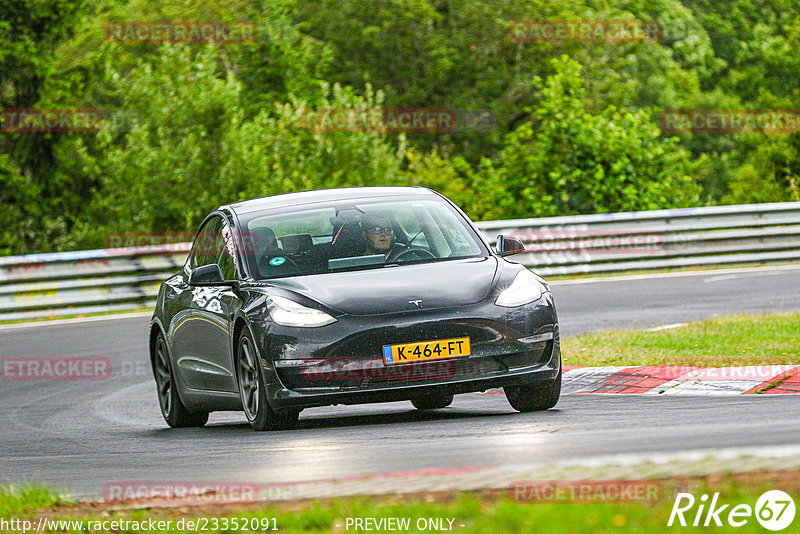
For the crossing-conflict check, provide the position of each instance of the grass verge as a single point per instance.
(16, 501)
(481, 512)
(719, 342)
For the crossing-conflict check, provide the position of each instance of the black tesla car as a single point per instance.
(348, 296)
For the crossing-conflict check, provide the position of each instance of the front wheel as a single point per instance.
(534, 397)
(175, 413)
(259, 413)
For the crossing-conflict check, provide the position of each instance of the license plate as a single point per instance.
(426, 350)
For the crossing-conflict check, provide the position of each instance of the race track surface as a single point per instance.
(659, 299)
(81, 435)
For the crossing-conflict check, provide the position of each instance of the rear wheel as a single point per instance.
(175, 413)
(432, 401)
(534, 397)
(259, 413)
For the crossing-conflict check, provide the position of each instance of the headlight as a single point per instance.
(524, 289)
(287, 312)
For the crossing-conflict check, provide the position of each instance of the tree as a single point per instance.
(569, 161)
(182, 145)
(37, 199)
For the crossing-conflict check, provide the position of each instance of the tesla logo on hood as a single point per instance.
(417, 303)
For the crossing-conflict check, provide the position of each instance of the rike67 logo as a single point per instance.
(774, 510)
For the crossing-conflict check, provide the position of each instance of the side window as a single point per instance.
(208, 244)
(225, 261)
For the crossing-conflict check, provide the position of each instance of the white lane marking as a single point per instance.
(77, 320)
(724, 277)
(720, 278)
(125, 408)
(665, 327)
(20, 412)
(630, 459)
(763, 270)
(686, 386)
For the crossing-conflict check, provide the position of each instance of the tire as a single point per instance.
(253, 392)
(432, 401)
(534, 397)
(172, 408)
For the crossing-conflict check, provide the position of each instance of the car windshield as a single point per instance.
(356, 235)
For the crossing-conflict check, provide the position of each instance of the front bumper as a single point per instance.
(342, 363)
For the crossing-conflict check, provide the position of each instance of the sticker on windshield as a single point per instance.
(278, 260)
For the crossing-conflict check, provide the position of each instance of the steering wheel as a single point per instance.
(421, 252)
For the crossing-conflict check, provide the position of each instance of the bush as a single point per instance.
(568, 161)
(183, 146)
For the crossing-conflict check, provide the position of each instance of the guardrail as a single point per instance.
(89, 281)
(643, 240)
(51, 285)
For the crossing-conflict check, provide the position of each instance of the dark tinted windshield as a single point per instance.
(361, 235)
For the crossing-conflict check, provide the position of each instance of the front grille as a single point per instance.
(433, 371)
(370, 344)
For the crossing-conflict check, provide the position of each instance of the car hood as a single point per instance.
(391, 289)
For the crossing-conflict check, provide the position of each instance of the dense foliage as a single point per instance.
(574, 126)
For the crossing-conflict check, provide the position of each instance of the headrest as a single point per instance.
(347, 239)
(264, 240)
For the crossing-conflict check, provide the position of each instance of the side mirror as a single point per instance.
(506, 246)
(208, 275)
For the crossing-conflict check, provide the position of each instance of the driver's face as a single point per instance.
(378, 235)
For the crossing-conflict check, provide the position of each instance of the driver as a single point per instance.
(378, 233)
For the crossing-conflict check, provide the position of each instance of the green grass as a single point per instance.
(478, 513)
(17, 501)
(719, 342)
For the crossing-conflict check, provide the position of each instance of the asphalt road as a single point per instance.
(660, 299)
(80, 435)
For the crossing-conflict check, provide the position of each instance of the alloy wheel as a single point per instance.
(248, 379)
(163, 377)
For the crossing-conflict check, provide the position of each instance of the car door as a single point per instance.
(206, 362)
(183, 343)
